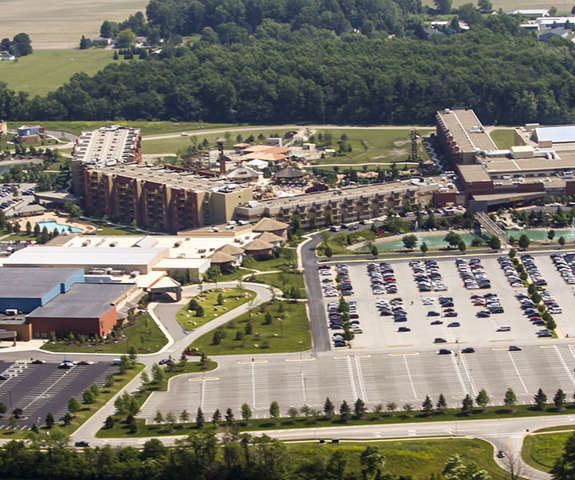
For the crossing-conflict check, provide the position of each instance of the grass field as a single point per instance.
(563, 6)
(285, 281)
(542, 451)
(57, 24)
(288, 332)
(286, 262)
(419, 459)
(504, 138)
(232, 298)
(175, 145)
(144, 335)
(45, 71)
(370, 146)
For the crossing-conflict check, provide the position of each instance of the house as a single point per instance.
(290, 175)
(6, 56)
(29, 130)
(272, 238)
(236, 252)
(243, 174)
(259, 249)
(223, 260)
(276, 227)
(554, 32)
(531, 13)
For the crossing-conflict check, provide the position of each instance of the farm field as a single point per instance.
(45, 71)
(58, 24)
(563, 6)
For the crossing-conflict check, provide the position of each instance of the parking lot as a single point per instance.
(421, 320)
(44, 388)
(402, 377)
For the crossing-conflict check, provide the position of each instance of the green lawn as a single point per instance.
(104, 228)
(419, 459)
(288, 332)
(232, 298)
(542, 451)
(285, 281)
(286, 261)
(505, 138)
(177, 144)
(370, 146)
(144, 335)
(148, 128)
(46, 70)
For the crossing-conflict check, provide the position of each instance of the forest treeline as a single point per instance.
(505, 74)
(201, 457)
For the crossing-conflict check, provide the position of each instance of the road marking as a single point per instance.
(517, 372)
(413, 392)
(564, 363)
(207, 379)
(299, 359)
(403, 354)
(341, 357)
(302, 377)
(350, 372)
(458, 372)
(571, 350)
(360, 380)
(546, 346)
(401, 346)
(47, 389)
(499, 349)
(249, 362)
(468, 375)
(253, 386)
(363, 356)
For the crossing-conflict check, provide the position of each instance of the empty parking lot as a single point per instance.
(402, 377)
(40, 389)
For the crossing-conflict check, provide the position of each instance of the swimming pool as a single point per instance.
(52, 225)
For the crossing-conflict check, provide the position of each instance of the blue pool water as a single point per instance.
(52, 225)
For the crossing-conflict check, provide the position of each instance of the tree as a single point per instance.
(424, 248)
(391, 406)
(200, 420)
(461, 245)
(373, 461)
(200, 311)
(126, 38)
(551, 234)
(452, 239)
(220, 299)
(274, 409)
(373, 249)
(328, 251)
(482, 399)
(442, 6)
(67, 419)
(359, 408)
(292, 413)
(246, 412)
(217, 417)
(524, 242)
(510, 398)
(21, 45)
(184, 416)
(540, 400)
(88, 397)
(49, 420)
(73, 405)
(109, 423)
(409, 241)
(328, 408)
(441, 403)
(467, 405)
(559, 399)
(229, 418)
(565, 465)
(494, 243)
(158, 418)
(2, 409)
(84, 43)
(107, 29)
(485, 6)
(561, 241)
(427, 406)
(344, 412)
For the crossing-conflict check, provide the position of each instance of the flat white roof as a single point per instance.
(106, 256)
(201, 264)
(558, 134)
